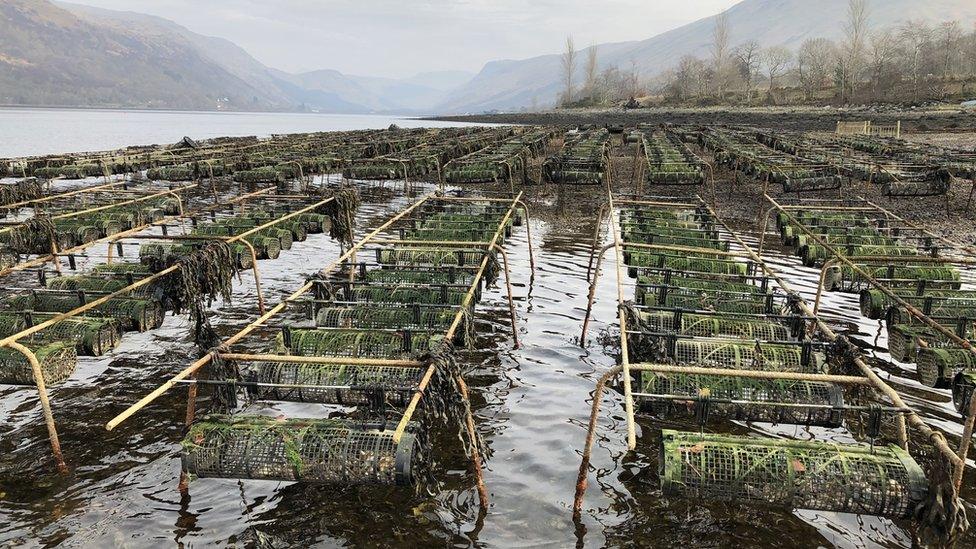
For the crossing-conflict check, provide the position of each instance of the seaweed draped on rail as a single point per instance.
(203, 275)
(342, 212)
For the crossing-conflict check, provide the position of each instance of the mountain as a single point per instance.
(509, 85)
(50, 56)
(65, 54)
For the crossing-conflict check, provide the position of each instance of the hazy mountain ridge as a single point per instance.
(64, 54)
(513, 84)
(75, 55)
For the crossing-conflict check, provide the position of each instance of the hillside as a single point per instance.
(50, 56)
(507, 85)
(64, 54)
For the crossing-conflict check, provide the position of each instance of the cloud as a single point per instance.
(400, 38)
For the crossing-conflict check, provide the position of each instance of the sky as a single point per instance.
(398, 38)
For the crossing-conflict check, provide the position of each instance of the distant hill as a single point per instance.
(50, 56)
(509, 85)
(63, 54)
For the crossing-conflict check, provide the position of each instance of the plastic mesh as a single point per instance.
(937, 367)
(57, 361)
(385, 317)
(352, 384)
(353, 343)
(746, 356)
(712, 325)
(884, 481)
(133, 314)
(753, 399)
(309, 450)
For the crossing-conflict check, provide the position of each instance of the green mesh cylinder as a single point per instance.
(936, 367)
(347, 384)
(882, 481)
(91, 336)
(386, 317)
(306, 450)
(713, 326)
(133, 314)
(746, 356)
(354, 343)
(903, 341)
(726, 302)
(690, 262)
(57, 361)
(748, 399)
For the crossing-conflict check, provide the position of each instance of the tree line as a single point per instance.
(911, 62)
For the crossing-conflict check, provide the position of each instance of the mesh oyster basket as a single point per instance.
(895, 276)
(903, 341)
(133, 314)
(354, 343)
(410, 317)
(727, 302)
(57, 361)
(92, 336)
(938, 367)
(427, 256)
(344, 384)
(874, 303)
(688, 262)
(702, 325)
(307, 450)
(746, 355)
(883, 481)
(744, 399)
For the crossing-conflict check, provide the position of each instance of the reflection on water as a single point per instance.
(26, 132)
(532, 405)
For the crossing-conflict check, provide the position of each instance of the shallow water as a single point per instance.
(26, 132)
(532, 405)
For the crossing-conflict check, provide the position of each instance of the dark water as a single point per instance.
(532, 405)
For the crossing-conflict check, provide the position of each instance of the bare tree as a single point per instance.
(720, 52)
(686, 78)
(569, 69)
(814, 61)
(777, 60)
(883, 50)
(971, 54)
(633, 80)
(748, 57)
(591, 72)
(949, 36)
(855, 35)
(915, 35)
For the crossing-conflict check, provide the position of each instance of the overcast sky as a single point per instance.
(401, 37)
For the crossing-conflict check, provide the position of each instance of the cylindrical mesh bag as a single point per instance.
(425, 256)
(92, 336)
(713, 326)
(896, 276)
(751, 399)
(57, 361)
(133, 314)
(354, 343)
(936, 367)
(349, 384)
(903, 341)
(707, 300)
(430, 275)
(882, 481)
(747, 355)
(306, 450)
(386, 317)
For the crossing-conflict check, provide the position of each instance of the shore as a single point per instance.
(785, 118)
